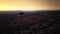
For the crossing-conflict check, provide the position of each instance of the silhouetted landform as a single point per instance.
(38, 22)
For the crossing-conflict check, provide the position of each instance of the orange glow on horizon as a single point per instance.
(25, 5)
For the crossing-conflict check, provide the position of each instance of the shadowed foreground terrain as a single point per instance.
(39, 22)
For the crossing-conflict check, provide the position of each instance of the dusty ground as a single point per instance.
(34, 23)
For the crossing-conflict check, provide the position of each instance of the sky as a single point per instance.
(29, 5)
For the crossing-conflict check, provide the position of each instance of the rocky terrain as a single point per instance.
(39, 22)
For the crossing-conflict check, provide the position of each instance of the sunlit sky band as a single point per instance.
(29, 5)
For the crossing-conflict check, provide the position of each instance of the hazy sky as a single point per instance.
(29, 4)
